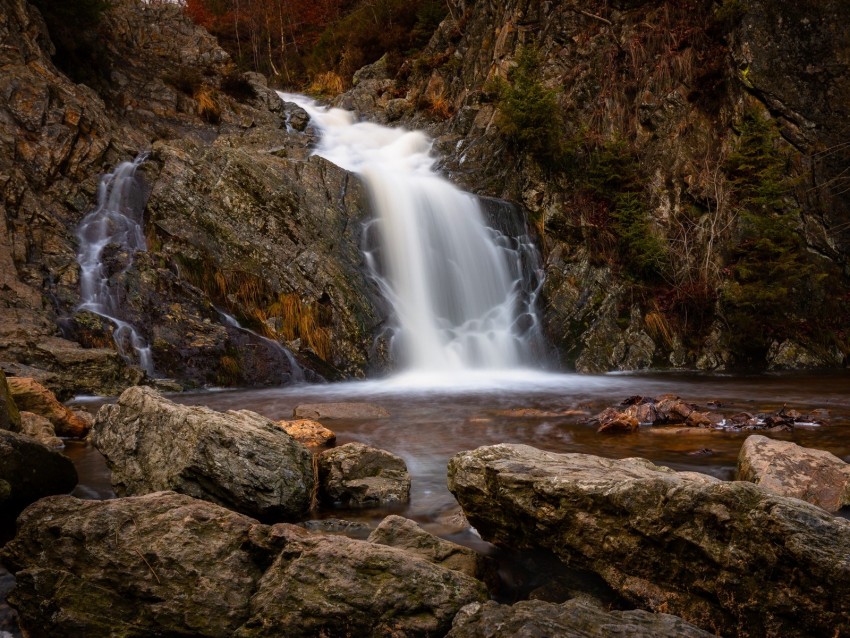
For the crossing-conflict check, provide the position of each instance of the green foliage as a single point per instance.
(529, 115)
(775, 283)
(641, 250)
(71, 26)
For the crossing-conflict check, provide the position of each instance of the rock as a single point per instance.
(240, 459)
(33, 397)
(787, 469)
(10, 417)
(572, 619)
(30, 471)
(356, 474)
(40, 429)
(167, 564)
(308, 432)
(352, 529)
(403, 533)
(725, 556)
(340, 411)
(612, 421)
(699, 420)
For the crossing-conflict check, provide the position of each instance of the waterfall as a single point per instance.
(455, 286)
(296, 372)
(117, 220)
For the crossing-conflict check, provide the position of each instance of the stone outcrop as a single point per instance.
(572, 619)
(167, 564)
(310, 433)
(29, 471)
(33, 397)
(726, 556)
(787, 469)
(403, 533)
(240, 459)
(340, 411)
(360, 475)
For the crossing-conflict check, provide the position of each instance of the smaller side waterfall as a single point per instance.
(296, 372)
(117, 220)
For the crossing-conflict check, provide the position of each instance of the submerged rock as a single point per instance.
(726, 556)
(787, 469)
(29, 470)
(167, 564)
(340, 411)
(240, 460)
(572, 619)
(33, 397)
(356, 474)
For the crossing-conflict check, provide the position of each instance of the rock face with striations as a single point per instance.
(788, 469)
(240, 459)
(167, 564)
(725, 556)
(572, 619)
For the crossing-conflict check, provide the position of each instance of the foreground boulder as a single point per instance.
(33, 397)
(572, 619)
(29, 471)
(787, 469)
(167, 564)
(237, 459)
(10, 417)
(726, 556)
(360, 475)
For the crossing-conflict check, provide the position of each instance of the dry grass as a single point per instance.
(439, 107)
(327, 84)
(658, 326)
(208, 107)
(298, 320)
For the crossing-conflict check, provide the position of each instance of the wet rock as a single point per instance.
(787, 469)
(308, 432)
(10, 417)
(340, 411)
(572, 619)
(679, 542)
(403, 533)
(352, 529)
(33, 397)
(30, 470)
(237, 459)
(699, 420)
(40, 429)
(612, 421)
(168, 564)
(356, 474)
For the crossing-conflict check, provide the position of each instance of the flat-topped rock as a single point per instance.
(360, 475)
(239, 459)
(728, 557)
(572, 619)
(787, 469)
(307, 431)
(340, 411)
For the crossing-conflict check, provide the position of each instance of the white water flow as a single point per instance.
(117, 220)
(296, 372)
(455, 289)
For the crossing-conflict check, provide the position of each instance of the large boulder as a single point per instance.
(787, 469)
(360, 475)
(33, 397)
(572, 619)
(726, 556)
(240, 460)
(167, 564)
(29, 471)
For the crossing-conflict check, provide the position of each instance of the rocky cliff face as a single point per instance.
(628, 132)
(237, 220)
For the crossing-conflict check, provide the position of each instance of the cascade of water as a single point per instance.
(455, 287)
(117, 220)
(296, 372)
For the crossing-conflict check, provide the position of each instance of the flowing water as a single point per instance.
(117, 220)
(295, 373)
(455, 284)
